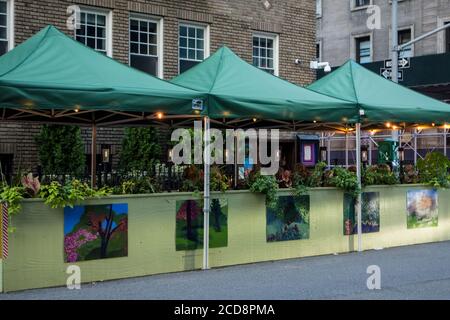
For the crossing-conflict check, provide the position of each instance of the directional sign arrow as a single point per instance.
(386, 73)
(404, 63)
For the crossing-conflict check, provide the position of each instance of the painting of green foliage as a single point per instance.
(189, 224)
(95, 232)
(370, 213)
(288, 219)
(422, 208)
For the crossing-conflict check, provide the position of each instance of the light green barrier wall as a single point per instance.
(36, 249)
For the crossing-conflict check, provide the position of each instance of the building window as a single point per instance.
(404, 36)
(362, 3)
(363, 50)
(94, 31)
(144, 45)
(265, 53)
(318, 52)
(447, 38)
(6, 42)
(193, 46)
(318, 8)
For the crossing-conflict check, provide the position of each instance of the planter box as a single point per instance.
(37, 259)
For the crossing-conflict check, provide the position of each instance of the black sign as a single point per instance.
(403, 63)
(387, 73)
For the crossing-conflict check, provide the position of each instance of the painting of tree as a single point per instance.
(95, 232)
(370, 213)
(189, 224)
(289, 219)
(422, 208)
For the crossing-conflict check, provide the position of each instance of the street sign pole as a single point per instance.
(394, 74)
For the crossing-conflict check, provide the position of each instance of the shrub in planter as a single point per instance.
(433, 170)
(410, 174)
(140, 150)
(379, 175)
(343, 179)
(61, 150)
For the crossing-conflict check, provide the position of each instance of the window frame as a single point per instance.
(356, 48)
(354, 7)
(276, 50)
(411, 47)
(159, 39)
(108, 26)
(319, 8)
(9, 25)
(319, 45)
(206, 40)
(441, 36)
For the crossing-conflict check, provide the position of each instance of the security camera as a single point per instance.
(320, 65)
(298, 61)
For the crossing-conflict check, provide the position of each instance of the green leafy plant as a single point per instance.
(219, 181)
(315, 180)
(192, 179)
(433, 170)
(140, 150)
(410, 174)
(379, 175)
(60, 196)
(344, 179)
(140, 185)
(61, 150)
(12, 196)
(266, 185)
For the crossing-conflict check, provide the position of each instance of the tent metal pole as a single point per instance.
(445, 141)
(415, 146)
(329, 151)
(358, 174)
(346, 150)
(206, 196)
(94, 155)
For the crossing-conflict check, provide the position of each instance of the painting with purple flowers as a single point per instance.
(95, 232)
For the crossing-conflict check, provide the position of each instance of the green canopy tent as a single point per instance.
(381, 100)
(242, 94)
(53, 77)
(378, 100)
(237, 89)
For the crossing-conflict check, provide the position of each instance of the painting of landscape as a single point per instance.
(422, 208)
(289, 219)
(95, 232)
(370, 213)
(189, 224)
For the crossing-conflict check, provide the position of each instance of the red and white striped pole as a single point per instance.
(4, 225)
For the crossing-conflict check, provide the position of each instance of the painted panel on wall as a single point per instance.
(95, 232)
(370, 213)
(189, 224)
(422, 208)
(289, 219)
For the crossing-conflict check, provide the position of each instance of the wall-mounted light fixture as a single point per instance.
(364, 155)
(323, 154)
(106, 153)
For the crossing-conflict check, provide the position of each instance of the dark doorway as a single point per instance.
(6, 161)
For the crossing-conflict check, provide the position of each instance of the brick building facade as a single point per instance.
(271, 34)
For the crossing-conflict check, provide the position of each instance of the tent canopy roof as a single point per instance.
(53, 71)
(237, 89)
(381, 99)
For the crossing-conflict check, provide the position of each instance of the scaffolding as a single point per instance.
(416, 143)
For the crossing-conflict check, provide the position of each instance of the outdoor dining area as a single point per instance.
(214, 215)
